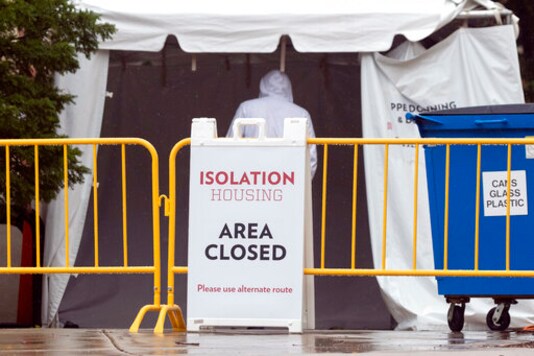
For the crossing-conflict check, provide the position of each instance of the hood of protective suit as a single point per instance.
(276, 84)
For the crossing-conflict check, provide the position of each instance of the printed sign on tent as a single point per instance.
(246, 228)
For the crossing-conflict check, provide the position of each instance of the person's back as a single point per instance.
(275, 103)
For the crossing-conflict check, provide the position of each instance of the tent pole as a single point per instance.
(193, 62)
(283, 43)
(484, 14)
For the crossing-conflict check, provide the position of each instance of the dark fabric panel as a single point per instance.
(155, 96)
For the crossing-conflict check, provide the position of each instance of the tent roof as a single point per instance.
(252, 26)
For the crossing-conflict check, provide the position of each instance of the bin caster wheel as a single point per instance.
(455, 317)
(498, 322)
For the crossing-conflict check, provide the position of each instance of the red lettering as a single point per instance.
(246, 178)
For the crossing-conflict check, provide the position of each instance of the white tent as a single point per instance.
(232, 26)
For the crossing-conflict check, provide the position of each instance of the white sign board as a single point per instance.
(495, 189)
(246, 232)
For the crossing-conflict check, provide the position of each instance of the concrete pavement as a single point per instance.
(263, 342)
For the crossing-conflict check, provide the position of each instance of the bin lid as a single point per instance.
(489, 120)
(527, 108)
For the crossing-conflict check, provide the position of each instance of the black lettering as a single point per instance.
(264, 252)
(223, 256)
(225, 232)
(240, 252)
(279, 252)
(234, 254)
(252, 230)
(209, 256)
(239, 230)
(252, 253)
(266, 232)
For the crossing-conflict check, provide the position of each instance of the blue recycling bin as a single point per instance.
(506, 121)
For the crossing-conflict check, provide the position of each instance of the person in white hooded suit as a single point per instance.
(274, 104)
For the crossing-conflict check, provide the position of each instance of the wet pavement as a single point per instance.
(263, 342)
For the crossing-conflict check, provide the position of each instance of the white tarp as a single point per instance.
(241, 26)
(474, 66)
(81, 120)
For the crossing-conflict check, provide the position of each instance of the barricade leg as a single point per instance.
(141, 315)
(175, 316)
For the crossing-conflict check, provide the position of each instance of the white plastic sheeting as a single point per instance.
(471, 67)
(81, 120)
(256, 26)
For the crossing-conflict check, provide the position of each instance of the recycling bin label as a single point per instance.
(495, 187)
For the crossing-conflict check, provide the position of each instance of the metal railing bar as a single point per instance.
(66, 201)
(37, 210)
(446, 208)
(385, 206)
(477, 207)
(8, 206)
(124, 207)
(415, 205)
(323, 206)
(508, 203)
(95, 205)
(78, 269)
(416, 273)
(354, 207)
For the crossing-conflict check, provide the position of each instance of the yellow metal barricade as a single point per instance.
(381, 267)
(171, 309)
(97, 268)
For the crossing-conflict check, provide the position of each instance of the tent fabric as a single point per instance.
(211, 26)
(241, 26)
(81, 120)
(474, 66)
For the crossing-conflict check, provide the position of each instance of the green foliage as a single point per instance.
(38, 39)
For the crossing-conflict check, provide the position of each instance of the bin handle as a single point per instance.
(491, 122)
(411, 116)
